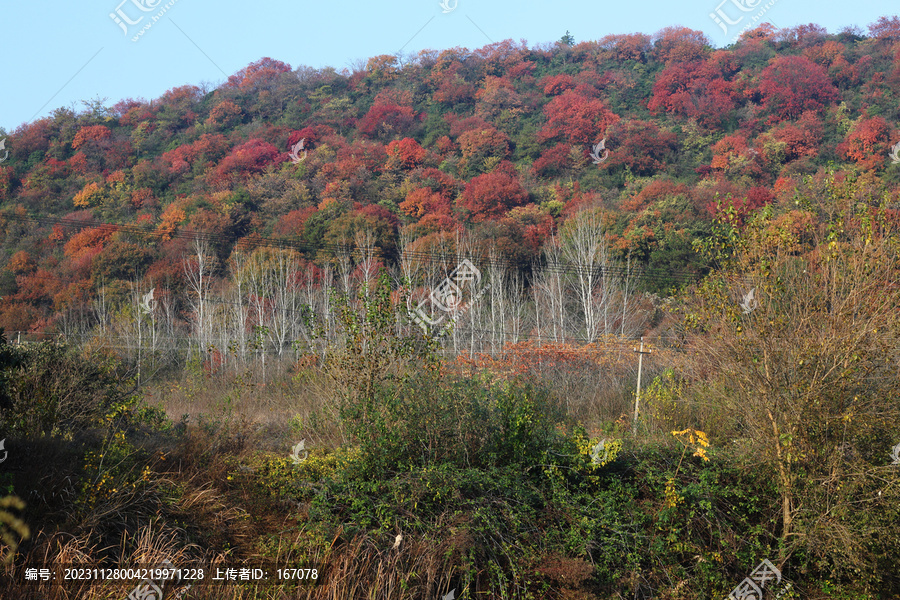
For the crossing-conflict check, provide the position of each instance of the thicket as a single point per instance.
(52, 389)
(501, 489)
(797, 350)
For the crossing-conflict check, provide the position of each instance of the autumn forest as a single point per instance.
(193, 284)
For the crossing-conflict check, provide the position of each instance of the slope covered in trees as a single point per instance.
(495, 142)
(249, 258)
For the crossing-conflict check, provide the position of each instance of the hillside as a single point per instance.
(591, 320)
(494, 141)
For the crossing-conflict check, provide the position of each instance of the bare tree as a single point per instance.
(284, 290)
(238, 303)
(584, 246)
(497, 275)
(328, 316)
(102, 310)
(344, 260)
(516, 300)
(365, 248)
(549, 293)
(198, 268)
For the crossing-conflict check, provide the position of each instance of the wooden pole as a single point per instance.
(637, 397)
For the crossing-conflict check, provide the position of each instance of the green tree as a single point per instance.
(800, 331)
(370, 356)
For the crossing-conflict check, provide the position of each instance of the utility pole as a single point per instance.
(637, 397)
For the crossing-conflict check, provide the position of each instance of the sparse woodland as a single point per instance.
(192, 285)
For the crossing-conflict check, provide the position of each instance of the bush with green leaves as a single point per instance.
(468, 423)
(372, 350)
(403, 412)
(54, 389)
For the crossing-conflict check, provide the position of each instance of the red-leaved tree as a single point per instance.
(640, 145)
(554, 85)
(679, 44)
(250, 157)
(885, 28)
(405, 154)
(793, 84)
(387, 120)
(576, 119)
(867, 142)
(260, 75)
(91, 133)
(491, 195)
(696, 90)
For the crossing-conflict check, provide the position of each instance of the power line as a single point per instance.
(620, 346)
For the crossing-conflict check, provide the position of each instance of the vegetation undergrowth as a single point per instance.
(476, 483)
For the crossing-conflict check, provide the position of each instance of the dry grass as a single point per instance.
(268, 408)
(594, 382)
(195, 507)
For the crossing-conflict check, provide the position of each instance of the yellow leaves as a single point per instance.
(91, 195)
(697, 438)
(597, 452)
(173, 216)
(700, 442)
(672, 497)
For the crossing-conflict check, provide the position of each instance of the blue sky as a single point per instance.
(59, 53)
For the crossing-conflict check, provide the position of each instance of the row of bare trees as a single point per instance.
(268, 304)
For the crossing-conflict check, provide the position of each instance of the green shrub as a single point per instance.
(53, 389)
(427, 420)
